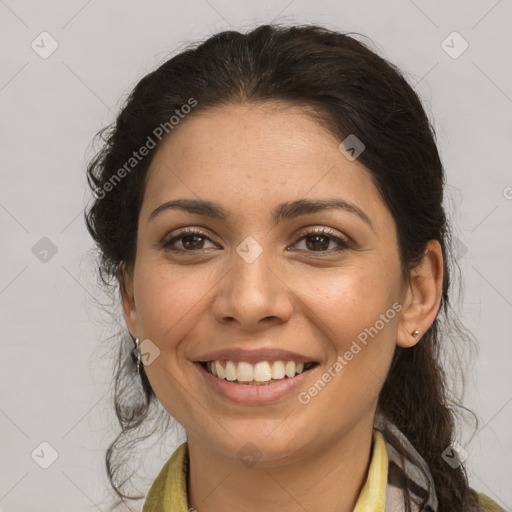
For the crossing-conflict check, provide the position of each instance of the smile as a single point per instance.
(261, 373)
(257, 383)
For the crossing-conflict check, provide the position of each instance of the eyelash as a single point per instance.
(302, 235)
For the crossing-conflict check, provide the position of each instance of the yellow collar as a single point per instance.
(169, 491)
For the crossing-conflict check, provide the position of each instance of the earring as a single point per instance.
(415, 332)
(137, 353)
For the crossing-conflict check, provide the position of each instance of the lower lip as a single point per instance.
(254, 394)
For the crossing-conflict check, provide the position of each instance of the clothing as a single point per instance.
(380, 493)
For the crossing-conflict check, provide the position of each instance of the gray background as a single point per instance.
(56, 368)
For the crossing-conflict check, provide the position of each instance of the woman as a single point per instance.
(271, 207)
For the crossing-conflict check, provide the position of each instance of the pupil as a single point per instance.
(316, 238)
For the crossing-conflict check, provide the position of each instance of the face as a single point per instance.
(323, 284)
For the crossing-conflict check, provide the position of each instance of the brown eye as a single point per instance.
(317, 242)
(320, 239)
(191, 240)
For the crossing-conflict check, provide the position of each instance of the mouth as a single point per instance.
(263, 373)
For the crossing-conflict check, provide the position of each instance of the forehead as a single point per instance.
(277, 134)
(252, 156)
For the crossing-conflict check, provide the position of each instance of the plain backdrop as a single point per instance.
(55, 377)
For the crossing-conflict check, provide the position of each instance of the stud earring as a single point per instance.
(137, 353)
(415, 332)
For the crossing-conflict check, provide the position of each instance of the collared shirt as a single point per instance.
(169, 490)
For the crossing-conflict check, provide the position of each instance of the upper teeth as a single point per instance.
(259, 372)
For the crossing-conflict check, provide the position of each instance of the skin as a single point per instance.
(250, 158)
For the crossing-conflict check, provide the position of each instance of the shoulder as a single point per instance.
(488, 505)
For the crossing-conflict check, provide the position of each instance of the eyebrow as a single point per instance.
(280, 213)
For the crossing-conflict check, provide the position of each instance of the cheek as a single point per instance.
(168, 304)
(356, 312)
(357, 315)
(166, 297)
(349, 301)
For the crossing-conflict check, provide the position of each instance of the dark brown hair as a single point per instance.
(353, 91)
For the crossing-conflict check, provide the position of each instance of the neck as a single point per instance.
(327, 477)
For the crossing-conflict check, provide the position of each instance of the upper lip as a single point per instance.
(254, 356)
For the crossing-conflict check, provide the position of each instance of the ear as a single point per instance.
(125, 279)
(423, 296)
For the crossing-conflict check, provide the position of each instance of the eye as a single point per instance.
(190, 239)
(319, 239)
(316, 240)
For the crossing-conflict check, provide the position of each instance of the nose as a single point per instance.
(254, 295)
